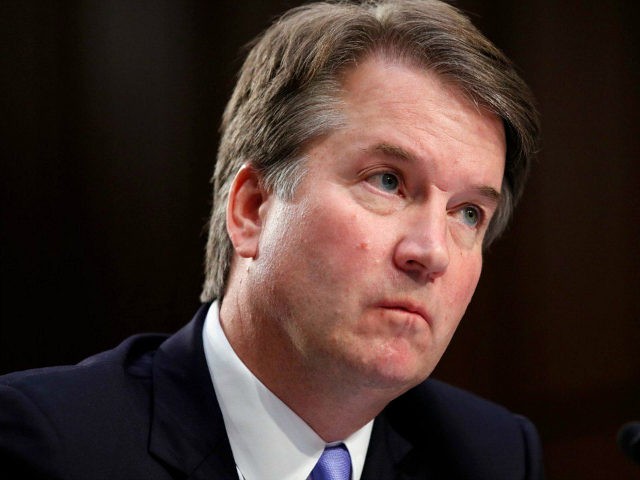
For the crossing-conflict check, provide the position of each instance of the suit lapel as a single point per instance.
(187, 429)
(390, 455)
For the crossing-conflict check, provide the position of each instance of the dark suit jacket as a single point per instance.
(147, 410)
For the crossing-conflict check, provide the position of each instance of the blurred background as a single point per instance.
(110, 112)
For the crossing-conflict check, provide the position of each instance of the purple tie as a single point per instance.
(334, 464)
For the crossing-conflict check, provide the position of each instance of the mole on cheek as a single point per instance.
(363, 245)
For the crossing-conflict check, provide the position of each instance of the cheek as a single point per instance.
(343, 251)
(345, 230)
(464, 281)
(319, 243)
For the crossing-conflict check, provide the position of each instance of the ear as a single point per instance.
(244, 219)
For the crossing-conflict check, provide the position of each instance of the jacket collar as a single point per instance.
(390, 454)
(187, 429)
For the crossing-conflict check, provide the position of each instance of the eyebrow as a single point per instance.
(393, 151)
(400, 153)
(489, 193)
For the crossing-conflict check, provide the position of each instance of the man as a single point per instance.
(369, 153)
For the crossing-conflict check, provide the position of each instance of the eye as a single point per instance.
(385, 181)
(471, 216)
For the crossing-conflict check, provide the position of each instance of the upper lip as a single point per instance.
(408, 305)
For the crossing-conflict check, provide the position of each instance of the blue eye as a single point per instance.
(385, 181)
(471, 216)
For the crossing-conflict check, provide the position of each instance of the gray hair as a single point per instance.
(288, 90)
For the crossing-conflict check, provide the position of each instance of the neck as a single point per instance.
(332, 405)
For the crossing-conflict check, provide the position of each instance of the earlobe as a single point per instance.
(245, 208)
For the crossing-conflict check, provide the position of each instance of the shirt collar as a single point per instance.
(267, 438)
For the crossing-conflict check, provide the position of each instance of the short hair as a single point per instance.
(289, 86)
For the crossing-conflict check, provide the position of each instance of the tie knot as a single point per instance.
(334, 464)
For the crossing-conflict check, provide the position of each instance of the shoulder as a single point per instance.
(448, 403)
(465, 431)
(46, 414)
(102, 376)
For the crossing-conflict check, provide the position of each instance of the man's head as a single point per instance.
(290, 93)
(362, 276)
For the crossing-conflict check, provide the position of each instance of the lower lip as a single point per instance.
(405, 312)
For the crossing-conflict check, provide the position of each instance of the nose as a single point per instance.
(422, 251)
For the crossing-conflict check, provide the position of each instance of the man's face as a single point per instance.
(367, 272)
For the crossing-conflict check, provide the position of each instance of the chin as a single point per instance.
(397, 374)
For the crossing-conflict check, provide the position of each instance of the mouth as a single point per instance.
(406, 307)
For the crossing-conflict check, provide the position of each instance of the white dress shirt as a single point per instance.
(268, 440)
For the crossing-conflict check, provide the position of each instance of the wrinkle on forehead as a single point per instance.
(362, 97)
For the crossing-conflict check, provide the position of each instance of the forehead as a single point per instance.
(392, 88)
(414, 114)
